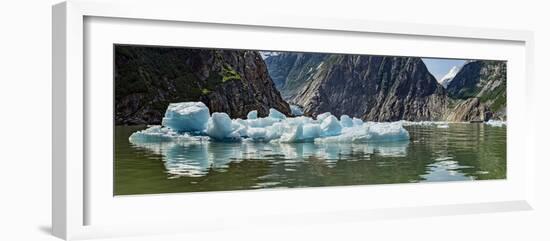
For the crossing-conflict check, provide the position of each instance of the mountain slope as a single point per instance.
(290, 71)
(449, 76)
(482, 82)
(231, 81)
(373, 88)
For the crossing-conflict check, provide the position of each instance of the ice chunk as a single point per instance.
(311, 131)
(261, 122)
(186, 116)
(220, 128)
(393, 131)
(345, 121)
(330, 126)
(275, 114)
(321, 117)
(443, 126)
(257, 134)
(496, 123)
(153, 134)
(370, 132)
(252, 115)
(274, 131)
(355, 134)
(296, 110)
(291, 133)
(357, 122)
(240, 126)
(298, 120)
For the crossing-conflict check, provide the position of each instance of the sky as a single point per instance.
(440, 67)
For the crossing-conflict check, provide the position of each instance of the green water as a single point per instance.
(458, 153)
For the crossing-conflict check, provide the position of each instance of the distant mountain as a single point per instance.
(480, 89)
(373, 88)
(445, 80)
(290, 71)
(147, 79)
(267, 54)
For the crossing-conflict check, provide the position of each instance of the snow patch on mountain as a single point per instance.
(445, 80)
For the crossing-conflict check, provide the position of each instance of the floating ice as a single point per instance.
(190, 122)
(154, 134)
(330, 126)
(240, 126)
(186, 116)
(321, 117)
(345, 121)
(292, 133)
(220, 127)
(257, 134)
(296, 110)
(356, 134)
(311, 131)
(392, 131)
(261, 122)
(275, 114)
(496, 123)
(252, 115)
(443, 126)
(357, 121)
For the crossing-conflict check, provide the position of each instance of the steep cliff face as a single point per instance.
(479, 87)
(231, 81)
(291, 71)
(373, 88)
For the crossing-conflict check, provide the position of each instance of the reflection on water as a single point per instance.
(460, 152)
(194, 159)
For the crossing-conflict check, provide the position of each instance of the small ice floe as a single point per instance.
(496, 123)
(220, 127)
(186, 116)
(191, 121)
(438, 124)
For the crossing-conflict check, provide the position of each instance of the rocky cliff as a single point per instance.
(291, 70)
(479, 87)
(375, 88)
(230, 81)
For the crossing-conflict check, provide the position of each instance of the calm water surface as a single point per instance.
(460, 152)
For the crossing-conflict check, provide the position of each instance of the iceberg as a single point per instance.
(154, 133)
(275, 114)
(186, 116)
(220, 127)
(240, 126)
(252, 115)
(330, 126)
(311, 131)
(191, 122)
(357, 121)
(345, 121)
(321, 117)
(392, 131)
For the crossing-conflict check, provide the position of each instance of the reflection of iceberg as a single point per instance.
(180, 158)
(193, 158)
(445, 169)
(390, 149)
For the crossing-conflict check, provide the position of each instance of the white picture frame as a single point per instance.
(75, 191)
